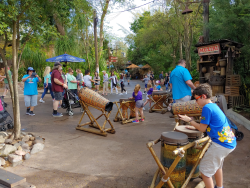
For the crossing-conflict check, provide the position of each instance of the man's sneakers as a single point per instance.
(57, 115)
(135, 121)
(141, 120)
(31, 113)
(41, 100)
(144, 92)
(28, 112)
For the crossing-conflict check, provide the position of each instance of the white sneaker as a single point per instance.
(126, 92)
(143, 108)
(42, 101)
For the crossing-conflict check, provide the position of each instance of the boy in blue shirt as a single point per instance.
(158, 87)
(215, 123)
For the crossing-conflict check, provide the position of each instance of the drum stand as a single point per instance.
(93, 121)
(119, 116)
(165, 172)
(157, 103)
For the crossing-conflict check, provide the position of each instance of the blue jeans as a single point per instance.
(46, 90)
(166, 86)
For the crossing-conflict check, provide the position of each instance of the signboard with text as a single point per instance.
(209, 49)
(113, 59)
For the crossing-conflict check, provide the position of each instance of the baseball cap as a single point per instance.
(57, 63)
(103, 71)
(157, 81)
(30, 68)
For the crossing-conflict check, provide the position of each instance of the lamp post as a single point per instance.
(205, 16)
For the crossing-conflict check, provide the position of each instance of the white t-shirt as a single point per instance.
(114, 79)
(87, 81)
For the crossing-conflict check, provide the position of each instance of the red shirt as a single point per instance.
(56, 87)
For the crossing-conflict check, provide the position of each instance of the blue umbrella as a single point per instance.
(65, 58)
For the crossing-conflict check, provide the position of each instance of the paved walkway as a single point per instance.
(73, 158)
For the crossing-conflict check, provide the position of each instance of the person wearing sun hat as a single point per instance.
(57, 87)
(30, 90)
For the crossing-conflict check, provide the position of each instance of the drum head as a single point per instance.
(126, 99)
(159, 93)
(188, 132)
(174, 138)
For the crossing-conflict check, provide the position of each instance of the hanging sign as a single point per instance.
(113, 59)
(209, 49)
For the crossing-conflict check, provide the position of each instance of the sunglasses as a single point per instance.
(197, 98)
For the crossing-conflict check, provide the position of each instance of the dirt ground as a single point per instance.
(76, 159)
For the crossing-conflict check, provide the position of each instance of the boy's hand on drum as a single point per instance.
(190, 127)
(184, 118)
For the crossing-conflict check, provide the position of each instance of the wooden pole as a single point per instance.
(96, 46)
(206, 20)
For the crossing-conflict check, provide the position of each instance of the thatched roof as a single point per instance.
(132, 66)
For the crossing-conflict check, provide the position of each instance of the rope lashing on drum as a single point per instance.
(181, 152)
(163, 180)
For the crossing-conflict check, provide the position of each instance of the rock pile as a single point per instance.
(13, 152)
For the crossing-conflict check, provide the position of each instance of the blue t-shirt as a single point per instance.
(30, 86)
(158, 87)
(218, 128)
(178, 78)
(45, 79)
(138, 96)
(150, 91)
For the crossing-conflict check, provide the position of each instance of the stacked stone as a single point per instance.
(13, 152)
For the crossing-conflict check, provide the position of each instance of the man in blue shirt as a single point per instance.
(30, 90)
(180, 82)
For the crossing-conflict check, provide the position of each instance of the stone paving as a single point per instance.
(73, 158)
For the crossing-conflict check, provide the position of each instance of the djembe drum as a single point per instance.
(171, 141)
(92, 98)
(192, 153)
(132, 106)
(125, 106)
(159, 97)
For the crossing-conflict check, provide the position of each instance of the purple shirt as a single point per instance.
(138, 96)
(150, 91)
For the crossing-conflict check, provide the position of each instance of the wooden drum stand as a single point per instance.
(89, 98)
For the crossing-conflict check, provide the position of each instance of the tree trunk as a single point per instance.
(187, 43)
(180, 43)
(7, 76)
(85, 41)
(17, 123)
(105, 9)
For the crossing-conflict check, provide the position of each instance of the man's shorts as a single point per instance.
(183, 99)
(30, 100)
(146, 85)
(213, 159)
(139, 104)
(58, 96)
(7, 86)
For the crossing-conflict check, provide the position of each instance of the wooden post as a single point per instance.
(206, 20)
(96, 46)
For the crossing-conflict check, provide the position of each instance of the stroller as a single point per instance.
(70, 101)
(4, 120)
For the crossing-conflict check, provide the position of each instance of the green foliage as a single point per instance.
(230, 20)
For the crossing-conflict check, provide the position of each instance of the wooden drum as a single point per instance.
(189, 107)
(171, 141)
(92, 98)
(162, 95)
(192, 153)
(132, 106)
(124, 106)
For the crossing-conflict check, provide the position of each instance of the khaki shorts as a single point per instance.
(213, 159)
(183, 99)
